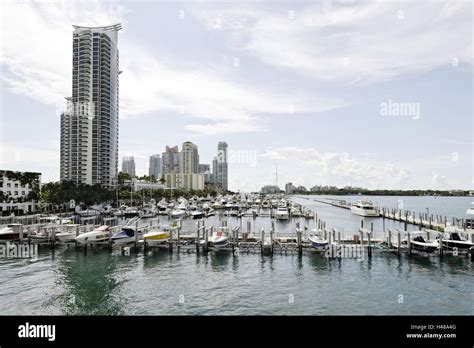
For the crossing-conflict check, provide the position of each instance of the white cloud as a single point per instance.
(36, 60)
(312, 166)
(347, 42)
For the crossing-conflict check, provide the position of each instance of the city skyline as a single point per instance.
(386, 103)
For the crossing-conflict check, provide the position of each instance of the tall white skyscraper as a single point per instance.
(89, 127)
(222, 166)
(128, 165)
(155, 166)
(171, 160)
(189, 158)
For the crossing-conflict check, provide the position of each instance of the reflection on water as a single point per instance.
(88, 282)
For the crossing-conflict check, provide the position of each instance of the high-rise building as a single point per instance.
(128, 165)
(89, 127)
(214, 171)
(204, 168)
(222, 167)
(171, 160)
(289, 188)
(154, 168)
(189, 158)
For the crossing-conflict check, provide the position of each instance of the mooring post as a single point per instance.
(206, 239)
(339, 237)
(178, 245)
(399, 240)
(136, 235)
(299, 240)
(262, 236)
(333, 235)
(197, 235)
(369, 247)
(271, 239)
(409, 243)
(389, 241)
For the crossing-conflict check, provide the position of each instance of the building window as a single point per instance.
(9, 185)
(16, 185)
(16, 193)
(22, 193)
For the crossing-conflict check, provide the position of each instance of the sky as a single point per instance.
(361, 93)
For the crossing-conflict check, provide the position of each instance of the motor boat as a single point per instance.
(216, 205)
(148, 211)
(219, 239)
(317, 240)
(181, 211)
(418, 242)
(265, 204)
(100, 234)
(295, 211)
(364, 208)
(469, 223)
(88, 212)
(10, 233)
(452, 238)
(131, 212)
(282, 213)
(197, 214)
(44, 235)
(67, 235)
(126, 236)
(158, 237)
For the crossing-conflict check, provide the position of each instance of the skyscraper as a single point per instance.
(189, 158)
(222, 168)
(89, 127)
(171, 160)
(155, 166)
(128, 165)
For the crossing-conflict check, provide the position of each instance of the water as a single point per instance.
(98, 282)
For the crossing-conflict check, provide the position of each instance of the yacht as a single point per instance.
(148, 211)
(282, 213)
(180, 211)
(364, 208)
(99, 235)
(67, 234)
(10, 233)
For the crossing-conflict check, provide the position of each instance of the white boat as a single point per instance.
(131, 211)
(317, 240)
(181, 211)
(67, 235)
(219, 239)
(216, 205)
(470, 221)
(45, 235)
(364, 208)
(88, 212)
(126, 236)
(159, 237)
(282, 213)
(418, 242)
(148, 211)
(197, 214)
(10, 233)
(453, 238)
(100, 234)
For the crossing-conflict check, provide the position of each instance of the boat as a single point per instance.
(126, 236)
(469, 223)
(197, 214)
(282, 213)
(418, 242)
(181, 211)
(148, 211)
(159, 237)
(69, 235)
(131, 212)
(88, 212)
(219, 239)
(317, 240)
(100, 234)
(364, 208)
(265, 204)
(452, 238)
(10, 233)
(44, 235)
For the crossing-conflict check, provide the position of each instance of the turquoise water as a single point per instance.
(99, 282)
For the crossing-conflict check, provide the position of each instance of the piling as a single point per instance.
(389, 241)
(197, 235)
(409, 243)
(136, 235)
(262, 236)
(399, 240)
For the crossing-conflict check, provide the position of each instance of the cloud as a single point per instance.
(312, 166)
(348, 41)
(36, 62)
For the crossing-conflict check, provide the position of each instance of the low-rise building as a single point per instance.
(19, 192)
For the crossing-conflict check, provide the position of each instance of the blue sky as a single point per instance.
(298, 85)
